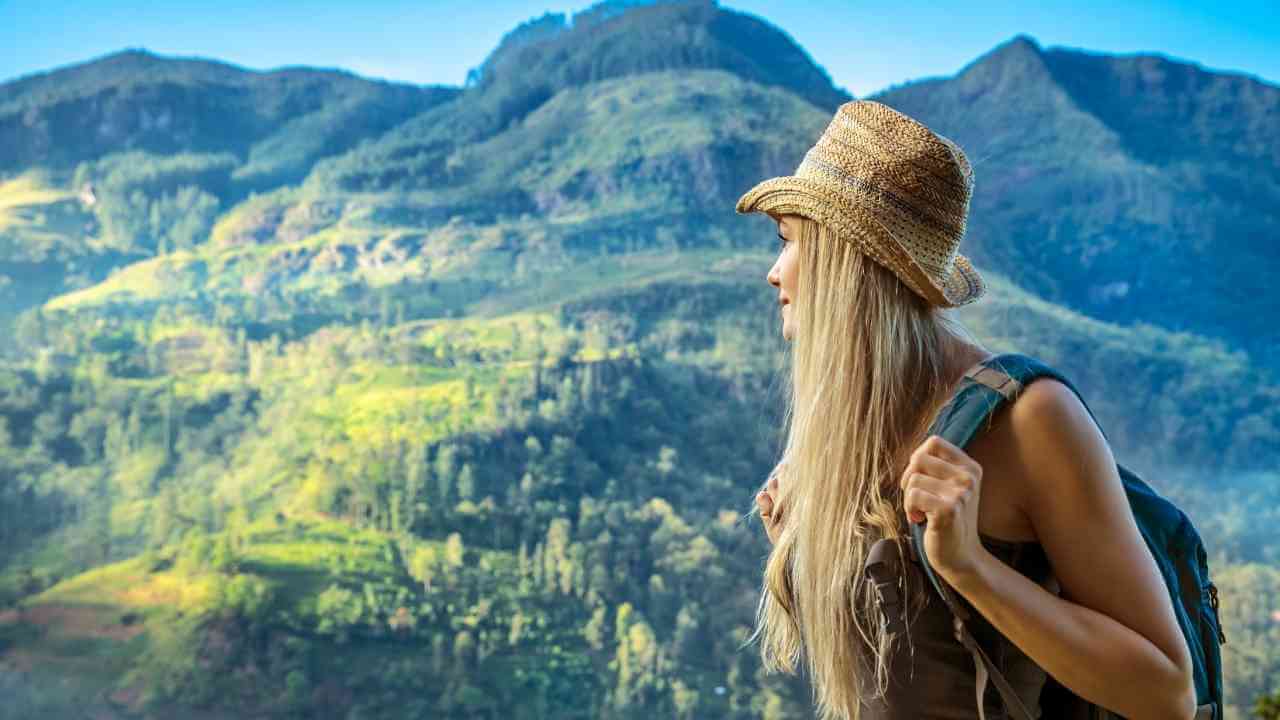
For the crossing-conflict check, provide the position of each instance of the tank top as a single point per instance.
(938, 680)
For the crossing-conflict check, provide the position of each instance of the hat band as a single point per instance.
(883, 204)
(948, 229)
(869, 134)
(895, 175)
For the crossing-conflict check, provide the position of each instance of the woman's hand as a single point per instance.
(942, 484)
(770, 508)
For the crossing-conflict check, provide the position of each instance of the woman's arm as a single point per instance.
(1112, 637)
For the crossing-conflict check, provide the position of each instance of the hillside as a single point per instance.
(124, 158)
(276, 123)
(1129, 231)
(1131, 188)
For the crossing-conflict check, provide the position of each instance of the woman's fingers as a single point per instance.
(770, 509)
(768, 506)
(770, 515)
(938, 486)
(919, 502)
(939, 447)
(933, 466)
(765, 501)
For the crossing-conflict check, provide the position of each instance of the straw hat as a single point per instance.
(888, 183)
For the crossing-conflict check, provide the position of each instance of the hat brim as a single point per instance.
(791, 195)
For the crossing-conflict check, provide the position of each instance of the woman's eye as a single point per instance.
(782, 242)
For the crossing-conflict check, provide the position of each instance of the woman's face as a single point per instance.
(783, 273)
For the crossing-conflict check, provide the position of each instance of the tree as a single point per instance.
(297, 688)
(422, 566)
(438, 653)
(464, 650)
(558, 566)
(637, 660)
(417, 476)
(453, 550)
(28, 584)
(402, 621)
(163, 513)
(1267, 707)
(246, 597)
(466, 483)
(395, 512)
(168, 428)
(445, 467)
(196, 551)
(338, 610)
(594, 629)
(685, 699)
(1251, 620)
(222, 557)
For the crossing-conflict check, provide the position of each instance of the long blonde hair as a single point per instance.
(871, 363)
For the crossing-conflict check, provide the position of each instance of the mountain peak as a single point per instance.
(608, 9)
(1022, 41)
(127, 55)
(1019, 51)
(1016, 61)
(626, 37)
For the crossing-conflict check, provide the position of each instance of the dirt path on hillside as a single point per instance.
(76, 620)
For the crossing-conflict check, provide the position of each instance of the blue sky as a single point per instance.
(865, 46)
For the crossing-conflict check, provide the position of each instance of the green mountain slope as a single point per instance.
(279, 122)
(136, 155)
(1131, 188)
(615, 167)
(240, 475)
(627, 38)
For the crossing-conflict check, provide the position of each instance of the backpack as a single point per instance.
(1168, 532)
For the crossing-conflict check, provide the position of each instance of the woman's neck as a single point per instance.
(958, 358)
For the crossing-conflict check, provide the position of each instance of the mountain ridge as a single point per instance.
(1098, 198)
(139, 100)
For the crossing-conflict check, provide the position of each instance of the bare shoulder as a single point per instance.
(1046, 400)
(1023, 452)
(1046, 429)
(1048, 417)
(1054, 440)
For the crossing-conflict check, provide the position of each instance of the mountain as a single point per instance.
(1074, 201)
(113, 161)
(327, 397)
(1131, 188)
(627, 38)
(549, 56)
(276, 123)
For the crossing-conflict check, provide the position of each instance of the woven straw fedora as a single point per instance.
(895, 188)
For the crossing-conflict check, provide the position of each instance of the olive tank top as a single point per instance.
(938, 681)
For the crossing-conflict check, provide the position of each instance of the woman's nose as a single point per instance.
(772, 278)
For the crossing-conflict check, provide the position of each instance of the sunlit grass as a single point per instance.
(150, 279)
(128, 584)
(21, 196)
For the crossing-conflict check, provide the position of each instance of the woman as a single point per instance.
(870, 226)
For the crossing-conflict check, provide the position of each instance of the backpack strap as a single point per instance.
(982, 663)
(985, 388)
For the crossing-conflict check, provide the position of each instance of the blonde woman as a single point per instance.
(870, 226)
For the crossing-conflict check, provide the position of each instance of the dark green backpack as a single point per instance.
(1168, 531)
